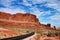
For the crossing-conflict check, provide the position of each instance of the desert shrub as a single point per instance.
(38, 32)
(53, 33)
(27, 31)
(57, 33)
(50, 33)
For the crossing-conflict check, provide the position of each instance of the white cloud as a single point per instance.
(55, 20)
(50, 3)
(12, 11)
(26, 3)
(54, 4)
(56, 17)
(6, 3)
(37, 1)
(38, 13)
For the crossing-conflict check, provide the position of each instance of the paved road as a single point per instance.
(28, 38)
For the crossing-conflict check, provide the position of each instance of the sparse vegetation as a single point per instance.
(53, 33)
(39, 32)
(57, 33)
(50, 34)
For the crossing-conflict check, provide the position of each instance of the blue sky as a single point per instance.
(48, 11)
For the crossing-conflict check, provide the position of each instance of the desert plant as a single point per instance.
(39, 32)
(51, 33)
(57, 33)
(27, 31)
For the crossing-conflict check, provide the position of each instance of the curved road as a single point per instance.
(28, 38)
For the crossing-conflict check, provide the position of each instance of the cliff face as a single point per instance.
(4, 15)
(19, 17)
(20, 20)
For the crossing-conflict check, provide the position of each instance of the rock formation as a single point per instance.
(19, 20)
(19, 17)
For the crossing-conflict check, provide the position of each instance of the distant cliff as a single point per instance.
(19, 20)
(19, 17)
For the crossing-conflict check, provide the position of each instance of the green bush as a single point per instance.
(27, 31)
(53, 33)
(49, 34)
(57, 33)
(39, 32)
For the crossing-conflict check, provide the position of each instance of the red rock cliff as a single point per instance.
(19, 20)
(19, 17)
(26, 20)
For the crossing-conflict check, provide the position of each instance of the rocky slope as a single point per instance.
(5, 33)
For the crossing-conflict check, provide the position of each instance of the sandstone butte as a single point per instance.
(23, 21)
